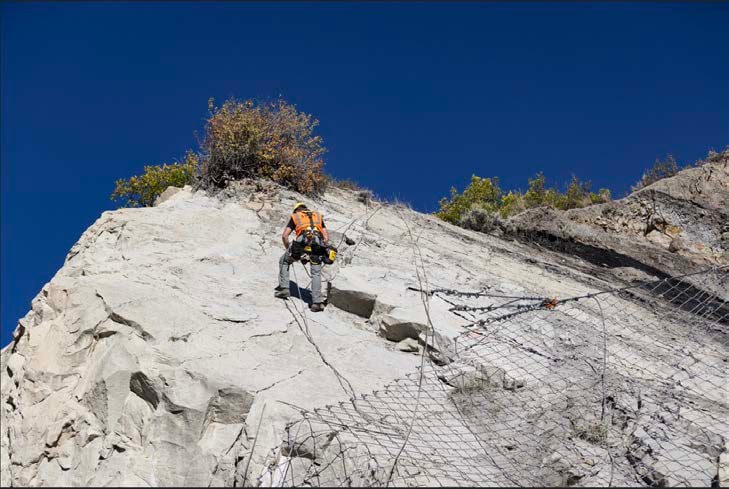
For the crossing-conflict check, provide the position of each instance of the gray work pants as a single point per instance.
(283, 277)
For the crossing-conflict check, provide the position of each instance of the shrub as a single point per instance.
(603, 195)
(479, 219)
(577, 194)
(659, 171)
(512, 203)
(483, 192)
(554, 199)
(365, 196)
(536, 193)
(142, 190)
(713, 157)
(593, 432)
(270, 140)
(483, 196)
(346, 184)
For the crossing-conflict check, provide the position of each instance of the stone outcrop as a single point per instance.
(157, 355)
(673, 226)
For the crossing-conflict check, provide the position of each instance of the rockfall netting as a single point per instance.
(625, 387)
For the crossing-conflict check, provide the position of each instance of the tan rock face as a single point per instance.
(158, 355)
(673, 226)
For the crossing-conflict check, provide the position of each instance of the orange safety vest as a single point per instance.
(307, 220)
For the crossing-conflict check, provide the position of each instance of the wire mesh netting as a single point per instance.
(625, 387)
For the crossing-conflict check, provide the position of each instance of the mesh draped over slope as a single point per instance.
(539, 395)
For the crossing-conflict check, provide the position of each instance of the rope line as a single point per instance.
(304, 327)
(426, 306)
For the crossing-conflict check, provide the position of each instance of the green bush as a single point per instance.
(577, 194)
(479, 219)
(483, 192)
(603, 195)
(483, 195)
(142, 190)
(512, 203)
(262, 140)
(536, 193)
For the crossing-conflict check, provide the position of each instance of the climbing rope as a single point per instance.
(303, 325)
(426, 305)
(348, 389)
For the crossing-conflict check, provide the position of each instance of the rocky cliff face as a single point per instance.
(673, 226)
(157, 355)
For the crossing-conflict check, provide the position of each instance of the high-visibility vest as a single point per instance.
(307, 220)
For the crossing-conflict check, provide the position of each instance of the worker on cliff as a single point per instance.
(311, 242)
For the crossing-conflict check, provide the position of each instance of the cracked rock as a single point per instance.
(408, 345)
(157, 356)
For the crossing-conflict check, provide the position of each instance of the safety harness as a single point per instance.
(310, 224)
(307, 220)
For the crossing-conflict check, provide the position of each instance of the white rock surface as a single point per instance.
(157, 352)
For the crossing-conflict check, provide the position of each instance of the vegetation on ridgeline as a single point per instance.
(660, 170)
(275, 141)
(242, 139)
(142, 190)
(482, 204)
(269, 140)
(483, 196)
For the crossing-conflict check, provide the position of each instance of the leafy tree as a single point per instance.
(143, 190)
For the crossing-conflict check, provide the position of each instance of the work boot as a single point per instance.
(281, 293)
(317, 307)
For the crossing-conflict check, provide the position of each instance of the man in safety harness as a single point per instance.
(311, 244)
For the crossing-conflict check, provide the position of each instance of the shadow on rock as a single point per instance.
(300, 292)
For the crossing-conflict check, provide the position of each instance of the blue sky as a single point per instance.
(412, 98)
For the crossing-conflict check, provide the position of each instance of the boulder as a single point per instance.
(353, 301)
(408, 345)
(166, 195)
(397, 330)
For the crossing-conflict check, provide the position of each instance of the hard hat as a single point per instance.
(299, 204)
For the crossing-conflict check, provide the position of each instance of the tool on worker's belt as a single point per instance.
(312, 252)
(330, 254)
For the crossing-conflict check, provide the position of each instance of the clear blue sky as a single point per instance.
(412, 98)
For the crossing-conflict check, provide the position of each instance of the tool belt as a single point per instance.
(312, 250)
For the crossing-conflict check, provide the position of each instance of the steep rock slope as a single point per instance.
(157, 354)
(676, 225)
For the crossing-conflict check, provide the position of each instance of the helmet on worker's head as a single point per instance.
(299, 205)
